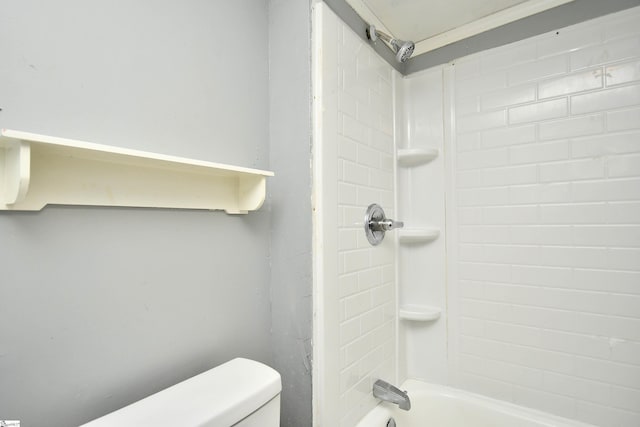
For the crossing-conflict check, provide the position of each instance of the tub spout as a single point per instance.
(385, 391)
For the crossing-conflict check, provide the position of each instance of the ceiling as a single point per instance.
(435, 23)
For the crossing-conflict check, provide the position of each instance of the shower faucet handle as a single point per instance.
(376, 224)
(385, 224)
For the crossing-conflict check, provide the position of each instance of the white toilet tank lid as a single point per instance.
(221, 396)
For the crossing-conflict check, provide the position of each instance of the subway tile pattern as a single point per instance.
(366, 274)
(547, 183)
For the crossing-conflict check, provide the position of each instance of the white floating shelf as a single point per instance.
(418, 235)
(420, 313)
(37, 170)
(416, 156)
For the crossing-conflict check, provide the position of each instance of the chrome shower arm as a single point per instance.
(403, 49)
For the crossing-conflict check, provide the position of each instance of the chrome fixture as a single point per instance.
(376, 224)
(403, 49)
(385, 391)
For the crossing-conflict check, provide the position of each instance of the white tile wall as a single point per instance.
(547, 190)
(368, 327)
(365, 275)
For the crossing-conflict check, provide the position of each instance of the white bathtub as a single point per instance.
(440, 406)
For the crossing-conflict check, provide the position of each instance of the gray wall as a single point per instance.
(102, 306)
(290, 191)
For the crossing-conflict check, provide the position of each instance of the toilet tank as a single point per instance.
(241, 392)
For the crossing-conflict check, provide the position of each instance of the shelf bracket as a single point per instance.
(252, 189)
(16, 158)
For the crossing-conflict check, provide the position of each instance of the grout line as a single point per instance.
(573, 355)
(564, 310)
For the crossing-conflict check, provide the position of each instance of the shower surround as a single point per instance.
(545, 212)
(539, 176)
(355, 282)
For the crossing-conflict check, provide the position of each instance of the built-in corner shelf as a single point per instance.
(37, 170)
(416, 156)
(418, 235)
(419, 313)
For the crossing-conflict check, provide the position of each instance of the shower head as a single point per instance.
(403, 49)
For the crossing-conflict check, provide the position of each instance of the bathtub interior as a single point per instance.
(436, 405)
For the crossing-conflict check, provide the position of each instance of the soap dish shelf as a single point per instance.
(418, 235)
(416, 156)
(419, 313)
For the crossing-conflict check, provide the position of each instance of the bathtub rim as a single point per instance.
(384, 410)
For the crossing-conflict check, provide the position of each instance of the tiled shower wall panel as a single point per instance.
(363, 135)
(547, 203)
